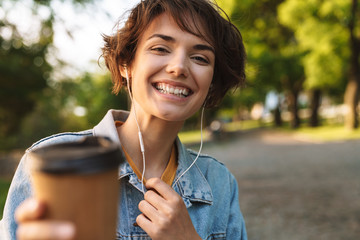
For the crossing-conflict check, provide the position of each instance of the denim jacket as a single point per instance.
(208, 189)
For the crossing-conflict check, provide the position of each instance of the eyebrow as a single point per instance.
(171, 39)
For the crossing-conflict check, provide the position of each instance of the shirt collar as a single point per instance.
(192, 186)
(106, 127)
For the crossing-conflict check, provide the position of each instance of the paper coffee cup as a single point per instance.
(79, 183)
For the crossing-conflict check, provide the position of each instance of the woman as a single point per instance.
(174, 57)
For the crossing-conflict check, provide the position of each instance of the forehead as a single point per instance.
(165, 23)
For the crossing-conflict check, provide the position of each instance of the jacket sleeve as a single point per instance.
(20, 189)
(236, 225)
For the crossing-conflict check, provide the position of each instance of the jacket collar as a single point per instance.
(192, 186)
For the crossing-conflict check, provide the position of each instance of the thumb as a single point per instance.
(30, 209)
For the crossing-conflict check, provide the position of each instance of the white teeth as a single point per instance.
(168, 89)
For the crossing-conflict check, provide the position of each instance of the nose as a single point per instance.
(178, 64)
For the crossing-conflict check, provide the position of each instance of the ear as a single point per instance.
(123, 71)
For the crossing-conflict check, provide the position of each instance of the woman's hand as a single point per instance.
(31, 225)
(164, 214)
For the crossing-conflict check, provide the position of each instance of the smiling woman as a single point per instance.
(167, 56)
(174, 57)
(220, 36)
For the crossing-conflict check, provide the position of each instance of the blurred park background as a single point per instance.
(287, 135)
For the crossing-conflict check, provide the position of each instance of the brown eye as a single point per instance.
(200, 59)
(159, 50)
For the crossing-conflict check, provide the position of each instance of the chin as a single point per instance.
(173, 117)
(174, 113)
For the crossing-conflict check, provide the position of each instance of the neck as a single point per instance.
(158, 137)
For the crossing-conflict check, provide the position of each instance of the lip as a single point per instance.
(175, 85)
(184, 90)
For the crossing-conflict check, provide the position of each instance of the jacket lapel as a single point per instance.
(192, 186)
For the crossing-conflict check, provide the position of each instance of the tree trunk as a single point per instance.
(277, 116)
(293, 105)
(351, 96)
(351, 100)
(277, 113)
(315, 104)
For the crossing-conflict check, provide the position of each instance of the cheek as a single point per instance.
(206, 79)
(143, 71)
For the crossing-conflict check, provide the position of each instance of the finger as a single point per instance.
(161, 187)
(41, 230)
(144, 223)
(148, 210)
(155, 199)
(30, 209)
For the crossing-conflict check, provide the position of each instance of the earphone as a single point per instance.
(200, 148)
(141, 142)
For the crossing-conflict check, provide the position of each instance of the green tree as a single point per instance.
(24, 67)
(71, 105)
(23, 74)
(327, 32)
(273, 59)
(93, 92)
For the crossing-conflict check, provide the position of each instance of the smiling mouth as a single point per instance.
(169, 89)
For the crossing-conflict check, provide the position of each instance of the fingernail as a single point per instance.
(33, 205)
(66, 231)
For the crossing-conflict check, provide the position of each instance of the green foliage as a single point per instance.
(291, 45)
(227, 6)
(248, 96)
(320, 30)
(94, 93)
(25, 70)
(274, 61)
(4, 187)
(71, 105)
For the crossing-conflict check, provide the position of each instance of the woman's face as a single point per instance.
(171, 72)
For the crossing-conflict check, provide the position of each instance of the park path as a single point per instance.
(294, 189)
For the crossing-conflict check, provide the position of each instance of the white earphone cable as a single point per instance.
(142, 148)
(201, 144)
(141, 142)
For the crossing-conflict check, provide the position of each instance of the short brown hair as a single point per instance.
(229, 72)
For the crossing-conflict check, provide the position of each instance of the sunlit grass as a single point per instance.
(327, 133)
(188, 137)
(244, 125)
(194, 136)
(4, 187)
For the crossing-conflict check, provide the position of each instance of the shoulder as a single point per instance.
(211, 168)
(60, 138)
(206, 160)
